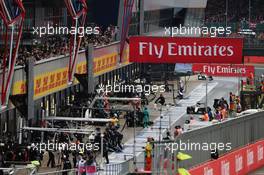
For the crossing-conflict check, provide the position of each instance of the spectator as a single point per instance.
(119, 138)
(192, 120)
(105, 150)
(81, 166)
(66, 165)
(115, 121)
(224, 113)
(178, 131)
(168, 136)
(160, 100)
(91, 165)
(231, 101)
(205, 117)
(52, 46)
(238, 105)
(210, 115)
(51, 159)
(218, 115)
(146, 117)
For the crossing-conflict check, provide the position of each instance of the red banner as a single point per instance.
(254, 59)
(185, 50)
(239, 162)
(224, 70)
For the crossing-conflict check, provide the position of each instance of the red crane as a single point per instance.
(78, 11)
(128, 8)
(12, 13)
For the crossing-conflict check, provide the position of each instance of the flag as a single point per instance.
(35, 163)
(182, 156)
(183, 171)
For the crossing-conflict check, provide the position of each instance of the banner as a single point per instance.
(254, 59)
(224, 70)
(185, 50)
(53, 81)
(240, 162)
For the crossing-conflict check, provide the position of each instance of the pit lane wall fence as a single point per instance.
(239, 162)
(50, 75)
(239, 132)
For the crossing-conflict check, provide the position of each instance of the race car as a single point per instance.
(203, 77)
(199, 108)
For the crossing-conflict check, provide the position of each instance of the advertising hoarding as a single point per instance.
(185, 50)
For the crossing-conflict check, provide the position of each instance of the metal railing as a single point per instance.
(118, 168)
(238, 132)
(59, 172)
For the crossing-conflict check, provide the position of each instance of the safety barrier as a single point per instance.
(118, 169)
(239, 162)
(18, 170)
(59, 172)
(108, 169)
(236, 132)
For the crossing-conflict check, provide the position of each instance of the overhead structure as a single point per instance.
(113, 99)
(78, 12)
(127, 14)
(59, 130)
(78, 119)
(88, 119)
(12, 12)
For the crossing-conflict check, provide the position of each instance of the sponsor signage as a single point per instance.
(224, 70)
(144, 49)
(241, 161)
(260, 152)
(225, 167)
(49, 82)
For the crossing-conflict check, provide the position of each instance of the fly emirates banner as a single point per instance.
(185, 50)
(224, 70)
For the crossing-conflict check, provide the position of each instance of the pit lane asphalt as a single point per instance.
(219, 87)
